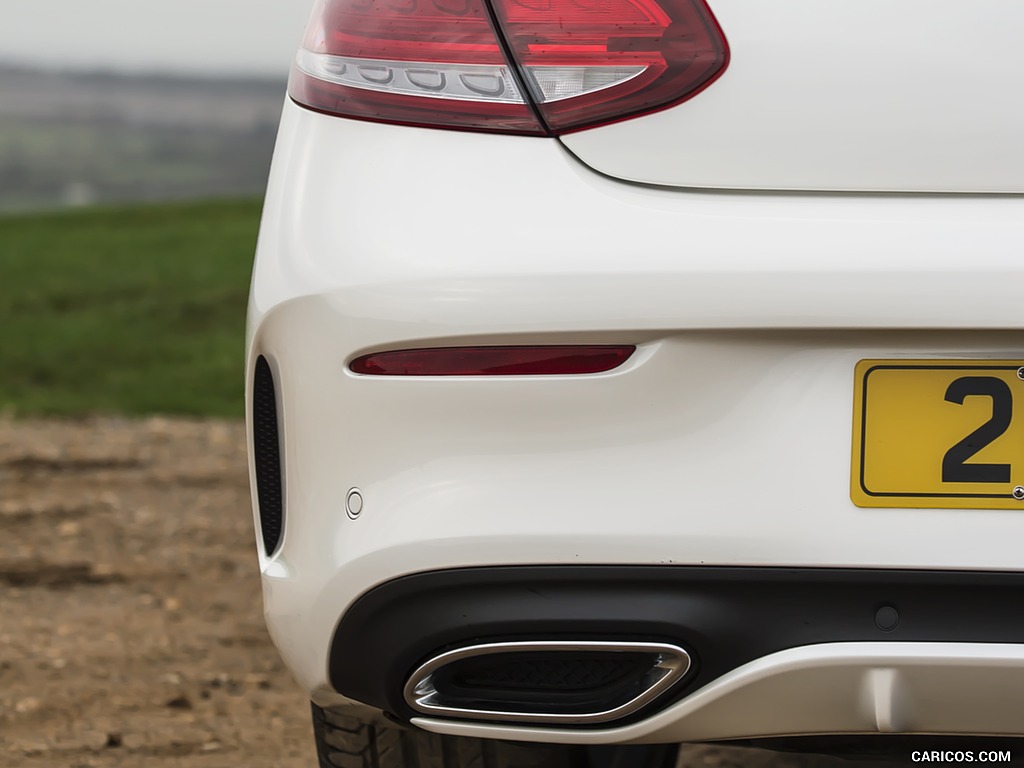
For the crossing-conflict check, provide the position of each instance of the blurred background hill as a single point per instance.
(74, 138)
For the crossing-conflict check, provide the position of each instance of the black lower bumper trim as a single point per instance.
(724, 617)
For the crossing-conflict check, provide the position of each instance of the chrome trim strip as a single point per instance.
(673, 662)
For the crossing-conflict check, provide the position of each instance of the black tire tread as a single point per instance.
(344, 741)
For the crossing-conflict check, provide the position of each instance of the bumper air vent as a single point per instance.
(267, 456)
(546, 681)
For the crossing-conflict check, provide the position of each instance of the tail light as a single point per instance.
(535, 67)
(421, 62)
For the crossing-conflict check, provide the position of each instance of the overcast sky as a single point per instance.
(256, 37)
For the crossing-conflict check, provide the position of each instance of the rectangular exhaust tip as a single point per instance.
(554, 682)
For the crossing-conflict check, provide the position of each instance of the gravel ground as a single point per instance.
(131, 631)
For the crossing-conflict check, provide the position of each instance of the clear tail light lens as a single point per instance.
(557, 65)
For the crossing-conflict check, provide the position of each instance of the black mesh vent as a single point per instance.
(267, 455)
(553, 672)
(579, 681)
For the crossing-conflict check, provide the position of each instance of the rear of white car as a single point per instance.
(621, 369)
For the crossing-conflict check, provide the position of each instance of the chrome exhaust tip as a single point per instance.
(546, 681)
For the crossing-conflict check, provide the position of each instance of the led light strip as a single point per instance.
(461, 82)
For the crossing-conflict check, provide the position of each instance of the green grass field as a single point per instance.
(129, 310)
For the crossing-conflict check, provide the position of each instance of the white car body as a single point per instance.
(750, 242)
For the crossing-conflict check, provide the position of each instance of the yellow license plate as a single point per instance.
(938, 433)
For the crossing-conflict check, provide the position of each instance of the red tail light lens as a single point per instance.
(441, 63)
(420, 62)
(494, 361)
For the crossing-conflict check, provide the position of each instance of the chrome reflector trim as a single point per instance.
(671, 664)
(460, 82)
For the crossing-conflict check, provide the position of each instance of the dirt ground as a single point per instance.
(131, 631)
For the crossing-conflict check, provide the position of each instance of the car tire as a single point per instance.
(345, 741)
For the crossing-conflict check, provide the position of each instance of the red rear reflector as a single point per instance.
(494, 361)
(575, 63)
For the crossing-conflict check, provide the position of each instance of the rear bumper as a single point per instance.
(724, 441)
